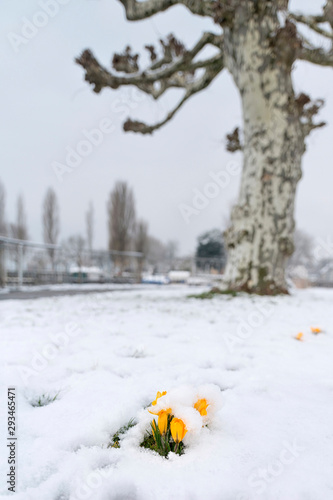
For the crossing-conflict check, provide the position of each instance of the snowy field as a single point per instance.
(94, 361)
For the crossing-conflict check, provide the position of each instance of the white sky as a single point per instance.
(46, 106)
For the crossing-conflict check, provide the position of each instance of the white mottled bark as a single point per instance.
(260, 238)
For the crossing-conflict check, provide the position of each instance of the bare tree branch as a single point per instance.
(307, 110)
(100, 77)
(176, 69)
(313, 23)
(142, 10)
(233, 141)
(328, 12)
(210, 73)
(315, 55)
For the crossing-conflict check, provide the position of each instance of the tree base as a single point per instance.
(212, 292)
(266, 288)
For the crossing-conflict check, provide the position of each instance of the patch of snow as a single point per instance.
(104, 357)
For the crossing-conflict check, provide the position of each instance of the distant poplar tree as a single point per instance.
(121, 219)
(51, 221)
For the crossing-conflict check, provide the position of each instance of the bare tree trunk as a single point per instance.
(260, 238)
(51, 222)
(121, 221)
(141, 244)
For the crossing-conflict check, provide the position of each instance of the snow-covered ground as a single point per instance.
(106, 355)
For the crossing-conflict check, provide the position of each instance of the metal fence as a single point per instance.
(29, 263)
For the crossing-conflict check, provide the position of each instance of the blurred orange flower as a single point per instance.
(299, 336)
(315, 330)
(201, 405)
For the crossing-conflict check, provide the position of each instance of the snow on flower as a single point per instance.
(179, 417)
(158, 395)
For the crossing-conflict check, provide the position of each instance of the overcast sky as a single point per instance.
(46, 107)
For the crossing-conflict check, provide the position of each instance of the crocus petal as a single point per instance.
(178, 429)
(158, 395)
(153, 412)
(163, 420)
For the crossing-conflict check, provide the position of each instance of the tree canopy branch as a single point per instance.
(315, 55)
(136, 11)
(313, 23)
(175, 73)
(307, 110)
(175, 69)
(233, 141)
(210, 73)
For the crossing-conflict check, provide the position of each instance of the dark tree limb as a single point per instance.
(177, 68)
(307, 110)
(233, 141)
(136, 11)
(316, 55)
(210, 73)
(313, 23)
(328, 12)
(174, 74)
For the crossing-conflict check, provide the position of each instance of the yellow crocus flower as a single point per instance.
(163, 420)
(315, 330)
(299, 336)
(178, 429)
(158, 395)
(201, 405)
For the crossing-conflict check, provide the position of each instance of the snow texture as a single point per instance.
(93, 362)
